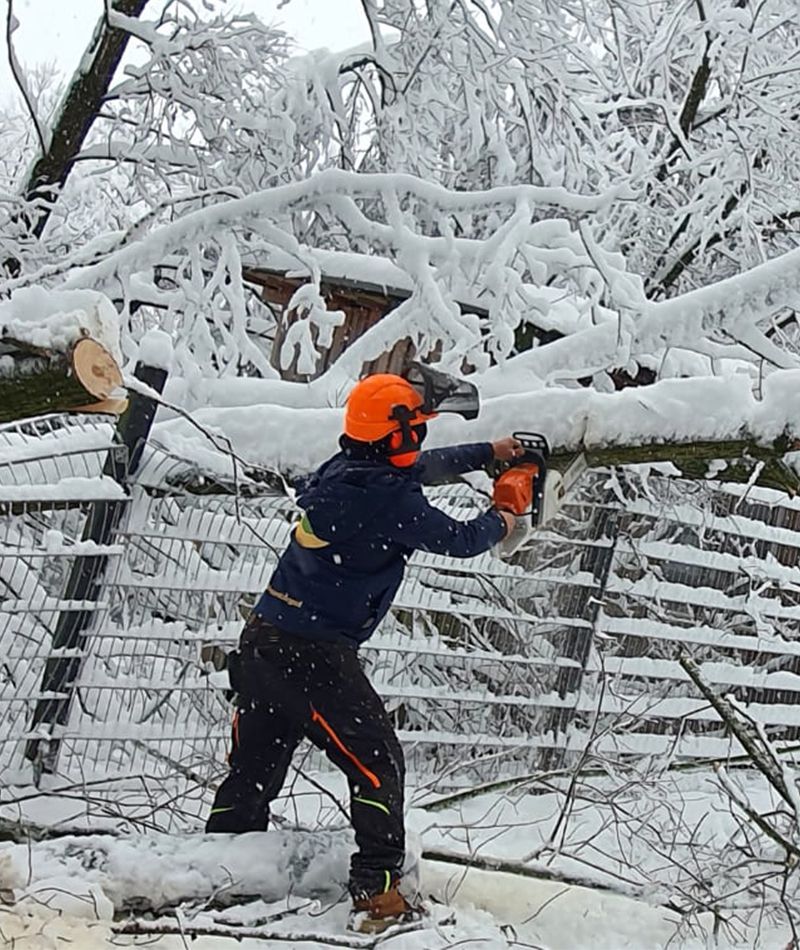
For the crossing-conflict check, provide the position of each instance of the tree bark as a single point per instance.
(23, 832)
(78, 110)
(40, 381)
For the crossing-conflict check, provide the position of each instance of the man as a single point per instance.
(297, 672)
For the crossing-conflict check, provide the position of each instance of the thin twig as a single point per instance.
(162, 927)
(11, 25)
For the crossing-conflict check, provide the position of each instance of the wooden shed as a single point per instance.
(364, 288)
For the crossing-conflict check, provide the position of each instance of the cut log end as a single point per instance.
(95, 369)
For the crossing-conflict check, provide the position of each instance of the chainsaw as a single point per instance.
(528, 490)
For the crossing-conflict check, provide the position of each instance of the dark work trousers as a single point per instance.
(289, 687)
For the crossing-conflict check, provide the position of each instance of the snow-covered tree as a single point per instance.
(654, 110)
(695, 106)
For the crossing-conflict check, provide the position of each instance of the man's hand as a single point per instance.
(507, 449)
(509, 519)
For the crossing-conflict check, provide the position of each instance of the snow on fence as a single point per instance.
(488, 668)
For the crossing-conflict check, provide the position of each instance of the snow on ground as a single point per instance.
(73, 898)
(289, 884)
(491, 909)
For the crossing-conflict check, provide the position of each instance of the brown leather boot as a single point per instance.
(373, 915)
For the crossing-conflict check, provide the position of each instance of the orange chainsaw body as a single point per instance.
(519, 488)
(514, 489)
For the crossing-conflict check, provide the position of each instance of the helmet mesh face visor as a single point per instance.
(442, 392)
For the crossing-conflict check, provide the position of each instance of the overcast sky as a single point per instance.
(58, 30)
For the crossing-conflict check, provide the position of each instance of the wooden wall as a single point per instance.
(363, 309)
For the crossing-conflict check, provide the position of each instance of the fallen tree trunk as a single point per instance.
(151, 874)
(36, 381)
(745, 460)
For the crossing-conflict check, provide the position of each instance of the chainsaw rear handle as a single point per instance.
(535, 448)
(534, 443)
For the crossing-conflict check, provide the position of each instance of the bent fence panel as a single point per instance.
(488, 668)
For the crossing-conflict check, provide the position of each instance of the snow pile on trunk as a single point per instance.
(52, 320)
(158, 871)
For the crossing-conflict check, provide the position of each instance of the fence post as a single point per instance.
(597, 560)
(87, 574)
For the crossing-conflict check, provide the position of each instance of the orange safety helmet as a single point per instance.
(385, 406)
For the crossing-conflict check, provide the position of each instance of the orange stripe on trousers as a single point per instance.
(234, 737)
(316, 717)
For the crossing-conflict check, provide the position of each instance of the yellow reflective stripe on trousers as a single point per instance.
(369, 801)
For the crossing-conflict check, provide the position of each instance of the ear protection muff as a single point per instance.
(396, 439)
(403, 446)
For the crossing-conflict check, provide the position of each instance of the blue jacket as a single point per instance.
(346, 558)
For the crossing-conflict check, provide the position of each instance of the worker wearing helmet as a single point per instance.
(297, 672)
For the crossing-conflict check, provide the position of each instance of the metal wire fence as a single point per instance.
(487, 667)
